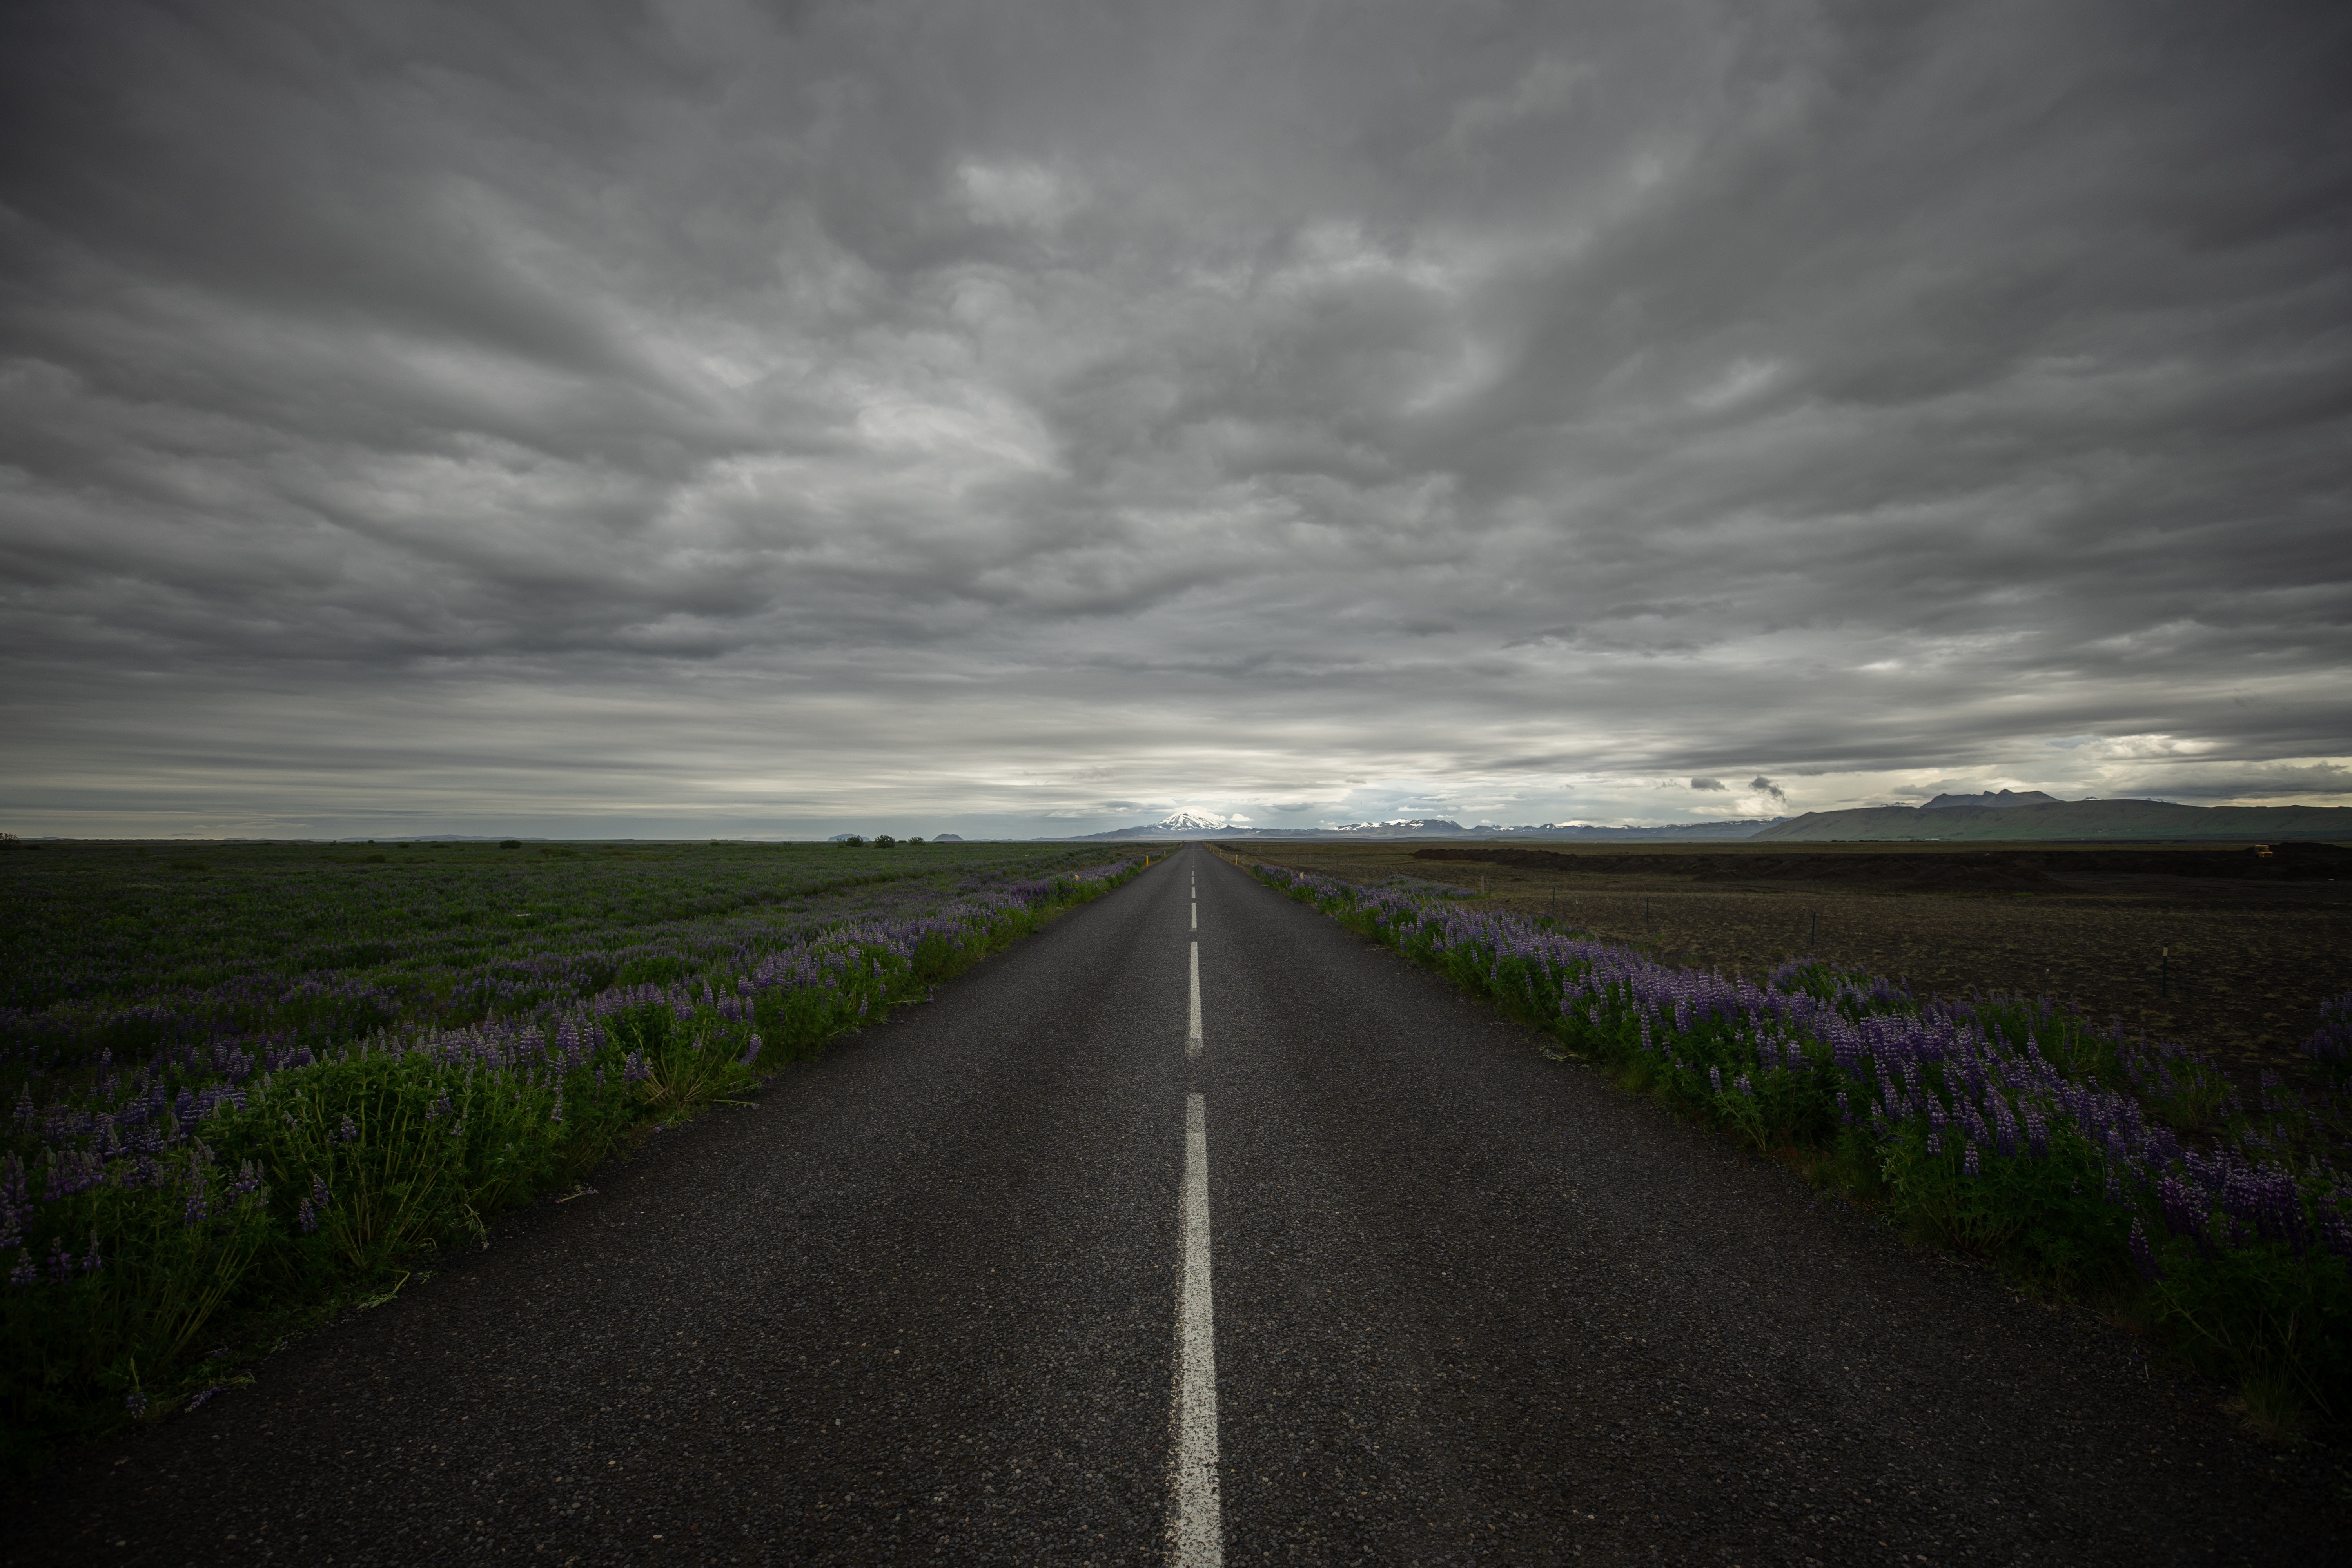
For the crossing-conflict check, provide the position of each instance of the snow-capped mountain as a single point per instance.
(1183, 825)
(1188, 822)
(1192, 825)
(1189, 825)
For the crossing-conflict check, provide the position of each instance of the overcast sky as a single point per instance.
(730, 419)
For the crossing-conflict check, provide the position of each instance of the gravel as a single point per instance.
(1472, 1305)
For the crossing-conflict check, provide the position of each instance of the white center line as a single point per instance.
(1193, 1033)
(1196, 917)
(1197, 1532)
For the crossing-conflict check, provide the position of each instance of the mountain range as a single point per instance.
(1994, 816)
(1186, 824)
(1992, 800)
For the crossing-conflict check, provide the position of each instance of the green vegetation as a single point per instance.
(274, 1086)
(104, 948)
(2080, 1161)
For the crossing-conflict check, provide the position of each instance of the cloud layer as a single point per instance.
(722, 418)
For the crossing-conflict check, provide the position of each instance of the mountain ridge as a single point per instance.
(1995, 816)
(1427, 827)
(2001, 800)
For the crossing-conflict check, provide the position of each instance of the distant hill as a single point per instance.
(2065, 819)
(1996, 800)
(444, 838)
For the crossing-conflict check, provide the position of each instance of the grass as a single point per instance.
(2273, 1408)
(172, 1211)
(680, 1082)
(131, 948)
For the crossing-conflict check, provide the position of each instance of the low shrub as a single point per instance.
(2330, 1045)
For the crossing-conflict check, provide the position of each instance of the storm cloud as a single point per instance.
(724, 419)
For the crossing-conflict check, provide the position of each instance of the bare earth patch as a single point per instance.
(2251, 957)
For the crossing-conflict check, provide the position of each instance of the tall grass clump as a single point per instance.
(2330, 1045)
(163, 1212)
(2075, 1158)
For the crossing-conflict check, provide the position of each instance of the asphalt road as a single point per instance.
(930, 1302)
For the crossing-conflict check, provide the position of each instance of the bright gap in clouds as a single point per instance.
(1036, 419)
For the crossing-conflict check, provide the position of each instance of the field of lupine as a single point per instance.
(252, 1084)
(2129, 1174)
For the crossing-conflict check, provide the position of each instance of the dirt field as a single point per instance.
(2251, 958)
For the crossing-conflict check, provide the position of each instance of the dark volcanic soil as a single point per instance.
(2223, 950)
(1939, 871)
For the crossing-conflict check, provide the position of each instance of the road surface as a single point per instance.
(1197, 1230)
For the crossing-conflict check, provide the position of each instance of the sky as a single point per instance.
(733, 420)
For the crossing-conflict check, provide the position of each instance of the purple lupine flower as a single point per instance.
(136, 1403)
(314, 1209)
(73, 1171)
(247, 1182)
(556, 1114)
(2184, 1214)
(2331, 1044)
(91, 1262)
(348, 1132)
(1715, 1077)
(1968, 1159)
(16, 1201)
(2336, 1231)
